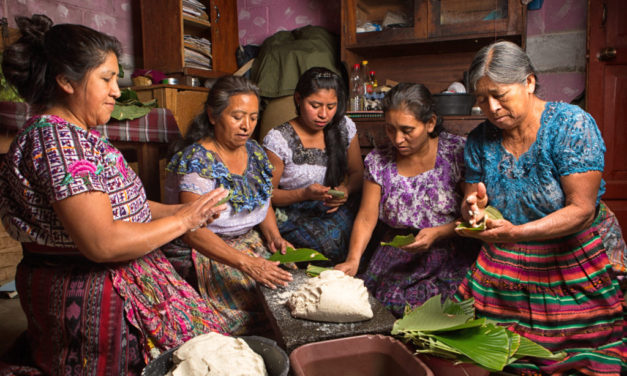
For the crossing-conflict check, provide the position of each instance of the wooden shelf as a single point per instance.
(205, 73)
(190, 20)
(164, 26)
(373, 44)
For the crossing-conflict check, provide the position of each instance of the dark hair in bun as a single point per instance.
(44, 51)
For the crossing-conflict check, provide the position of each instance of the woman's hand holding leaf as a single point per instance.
(276, 243)
(474, 204)
(496, 231)
(316, 192)
(338, 197)
(266, 272)
(423, 241)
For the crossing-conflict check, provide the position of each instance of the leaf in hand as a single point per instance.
(297, 255)
(335, 193)
(224, 199)
(490, 212)
(401, 240)
(314, 271)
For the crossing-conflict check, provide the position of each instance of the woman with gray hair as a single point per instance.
(228, 256)
(543, 270)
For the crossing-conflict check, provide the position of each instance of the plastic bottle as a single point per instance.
(364, 78)
(371, 84)
(372, 101)
(356, 89)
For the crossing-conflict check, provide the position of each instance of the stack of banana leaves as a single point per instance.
(129, 107)
(450, 330)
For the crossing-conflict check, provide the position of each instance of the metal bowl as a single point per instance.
(276, 360)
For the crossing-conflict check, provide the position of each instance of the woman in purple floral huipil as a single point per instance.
(412, 186)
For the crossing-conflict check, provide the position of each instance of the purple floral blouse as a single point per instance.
(426, 200)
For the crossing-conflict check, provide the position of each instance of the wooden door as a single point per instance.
(606, 94)
(224, 35)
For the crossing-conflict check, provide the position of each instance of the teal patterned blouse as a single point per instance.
(249, 191)
(528, 188)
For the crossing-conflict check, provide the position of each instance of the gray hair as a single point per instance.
(503, 62)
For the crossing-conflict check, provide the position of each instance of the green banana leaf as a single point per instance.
(449, 330)
(401, 240)
(429, 317)
(128, 106)
(297, 255)
(130, 112)
(8, 93)
(225, 199)
(514, 343)
(529, 348)
(314, 271)
(490, 212)
(466, 307)
(486, 345)
(335, 193)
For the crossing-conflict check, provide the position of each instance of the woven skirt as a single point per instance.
(560, 294)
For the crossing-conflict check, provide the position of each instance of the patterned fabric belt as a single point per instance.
(158, 125)
(47, 255)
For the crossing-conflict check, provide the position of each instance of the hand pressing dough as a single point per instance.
(214, 354)
(331, 297)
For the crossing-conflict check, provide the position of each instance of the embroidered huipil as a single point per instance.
(85, 315)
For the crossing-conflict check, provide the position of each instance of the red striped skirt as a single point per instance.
(558, 293)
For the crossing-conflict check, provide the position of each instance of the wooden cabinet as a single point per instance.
(436, 41)
(430, 42)
(185, 102)
(165, 25)
(475, 18)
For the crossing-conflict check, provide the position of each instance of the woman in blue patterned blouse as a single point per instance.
(228, 256)
(544, 270)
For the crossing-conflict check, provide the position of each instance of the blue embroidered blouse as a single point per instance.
(528, 188)
(198, 170)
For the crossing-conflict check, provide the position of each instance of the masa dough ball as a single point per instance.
(331, 297)
(214, 354)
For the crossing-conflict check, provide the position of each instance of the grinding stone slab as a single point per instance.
(292, 332)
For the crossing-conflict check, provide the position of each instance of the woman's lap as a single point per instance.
(231, 292)
(307, 225)
(560, 294)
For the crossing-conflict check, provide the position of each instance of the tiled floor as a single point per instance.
(12, 322)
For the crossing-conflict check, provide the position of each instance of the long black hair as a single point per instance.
(312, 80)
(43, 52)
(415, 98)
(217, 100)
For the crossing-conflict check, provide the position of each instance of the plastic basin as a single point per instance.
(366, 355)
(446, 367)
(276, 360)
(453, 104)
